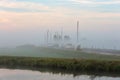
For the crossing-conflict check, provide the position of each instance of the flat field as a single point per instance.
(55, 53)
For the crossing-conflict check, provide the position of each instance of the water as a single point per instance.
(16, 74)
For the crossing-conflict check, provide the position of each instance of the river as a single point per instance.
(17, 74)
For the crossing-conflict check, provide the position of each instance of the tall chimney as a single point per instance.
(77, 31)
(47, 36)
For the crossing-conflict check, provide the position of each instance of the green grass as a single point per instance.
(77, 65)
(55, 53)
(70, 60)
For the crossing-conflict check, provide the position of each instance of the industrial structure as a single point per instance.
(60, 40)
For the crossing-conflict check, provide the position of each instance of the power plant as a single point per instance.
(61, 40)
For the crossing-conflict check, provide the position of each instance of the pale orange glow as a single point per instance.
(58, 18)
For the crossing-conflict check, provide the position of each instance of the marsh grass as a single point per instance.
(76, 65)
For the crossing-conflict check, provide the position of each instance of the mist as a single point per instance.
(19, 25)
(92, 36)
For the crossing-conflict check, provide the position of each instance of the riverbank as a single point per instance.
(75, 65)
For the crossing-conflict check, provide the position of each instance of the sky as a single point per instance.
(26, 21)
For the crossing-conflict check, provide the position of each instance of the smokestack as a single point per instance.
(62, 33)
(77, 31)
(47, 36)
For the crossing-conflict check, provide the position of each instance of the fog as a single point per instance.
(92, 37)
(27, 22)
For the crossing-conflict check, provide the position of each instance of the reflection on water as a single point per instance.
(7, 74)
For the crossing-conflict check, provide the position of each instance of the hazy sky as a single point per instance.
(26, 21)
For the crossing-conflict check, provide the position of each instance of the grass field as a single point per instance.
(69, 60)
(73, 65)
(55, 53)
